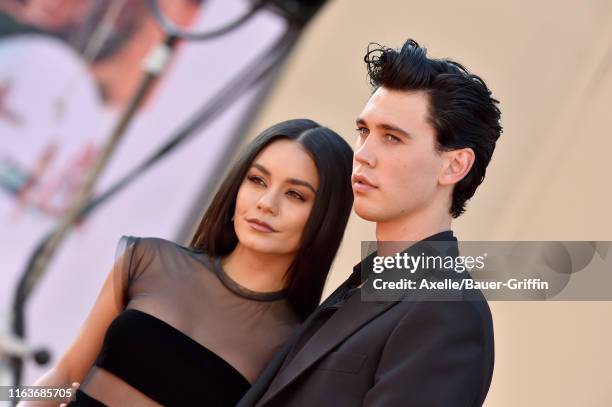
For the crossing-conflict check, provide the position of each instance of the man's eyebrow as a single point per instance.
(395, 129)
(386, 126)
(294, 181)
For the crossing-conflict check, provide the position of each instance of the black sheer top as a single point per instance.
(188, 335)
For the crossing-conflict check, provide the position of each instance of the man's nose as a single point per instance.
(364, 154)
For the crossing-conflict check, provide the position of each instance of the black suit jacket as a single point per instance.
(385, 353)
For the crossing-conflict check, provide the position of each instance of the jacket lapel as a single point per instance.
(347, 319)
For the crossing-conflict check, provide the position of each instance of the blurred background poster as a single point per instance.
(66, 74)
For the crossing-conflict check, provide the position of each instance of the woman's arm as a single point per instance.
(81, 354)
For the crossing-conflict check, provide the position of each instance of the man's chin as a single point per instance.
(368, 212)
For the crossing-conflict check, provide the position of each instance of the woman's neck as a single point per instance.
(257, 271)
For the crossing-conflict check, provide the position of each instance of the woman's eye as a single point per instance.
(256, 180)
(391, 138)
(295, 195)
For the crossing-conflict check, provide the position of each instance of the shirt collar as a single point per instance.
(355, 277)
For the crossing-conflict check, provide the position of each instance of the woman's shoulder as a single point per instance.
(150, 244)
(143, 251)
(156, 258)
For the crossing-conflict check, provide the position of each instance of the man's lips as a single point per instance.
(260, 225)
(362, 184)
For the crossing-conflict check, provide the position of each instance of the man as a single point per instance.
(425, 138)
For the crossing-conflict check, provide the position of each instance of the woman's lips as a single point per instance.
(260, 226)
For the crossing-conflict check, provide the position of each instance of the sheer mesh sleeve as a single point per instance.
(132, 257)
(121, 269)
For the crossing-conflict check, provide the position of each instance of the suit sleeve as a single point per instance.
(440, 354)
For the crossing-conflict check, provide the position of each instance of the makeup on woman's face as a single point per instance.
(275, 199)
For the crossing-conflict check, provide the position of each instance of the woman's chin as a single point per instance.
(261, 246)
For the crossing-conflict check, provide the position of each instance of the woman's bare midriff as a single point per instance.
(112, 391)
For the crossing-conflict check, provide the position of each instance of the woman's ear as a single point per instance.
(457, 164)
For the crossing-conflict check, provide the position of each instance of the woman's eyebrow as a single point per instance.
(293, 181)
(303, 183)
(261, 168)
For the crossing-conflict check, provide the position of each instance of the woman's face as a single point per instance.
(275, 199)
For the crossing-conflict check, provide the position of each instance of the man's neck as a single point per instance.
(413, 228)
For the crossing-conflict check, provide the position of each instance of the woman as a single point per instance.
(184, 326)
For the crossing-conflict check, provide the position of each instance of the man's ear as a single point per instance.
(456, 165)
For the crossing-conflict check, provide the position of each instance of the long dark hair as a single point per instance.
(324, 228)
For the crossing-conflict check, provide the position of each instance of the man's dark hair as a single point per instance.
(461, 108)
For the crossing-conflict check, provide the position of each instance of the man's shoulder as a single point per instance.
(473, 314)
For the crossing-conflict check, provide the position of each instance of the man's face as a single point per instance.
(396, 167)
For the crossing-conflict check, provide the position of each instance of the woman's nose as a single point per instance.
(268, 203)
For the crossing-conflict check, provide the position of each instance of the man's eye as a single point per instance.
(362, 131)
(391, 138)
(257, 180)
(295, 195)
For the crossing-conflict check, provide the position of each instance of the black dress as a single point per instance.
(188, 335)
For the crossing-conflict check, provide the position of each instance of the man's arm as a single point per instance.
(440, 354)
